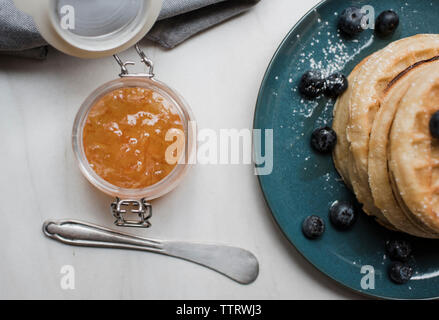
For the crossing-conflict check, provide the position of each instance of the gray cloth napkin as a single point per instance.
(178, 20)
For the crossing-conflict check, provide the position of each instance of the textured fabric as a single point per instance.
(17, 30)
(179, 20)
(174, 30)
(172, 8)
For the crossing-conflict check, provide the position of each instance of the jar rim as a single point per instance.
(163, 186)
(48, 24)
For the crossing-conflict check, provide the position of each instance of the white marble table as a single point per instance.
(219, 73)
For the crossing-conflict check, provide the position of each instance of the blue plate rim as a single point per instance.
(257, 108)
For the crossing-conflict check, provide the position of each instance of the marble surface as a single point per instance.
(219, 73)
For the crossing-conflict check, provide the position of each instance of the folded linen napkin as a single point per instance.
(178, 20)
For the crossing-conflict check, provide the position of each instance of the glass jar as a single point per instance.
(137, 197)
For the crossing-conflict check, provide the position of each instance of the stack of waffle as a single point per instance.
(385, 152)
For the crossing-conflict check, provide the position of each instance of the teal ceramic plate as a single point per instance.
(304, 183)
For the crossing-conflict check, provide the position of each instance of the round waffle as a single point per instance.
(379, 179)
(341, 118)
(341, 155)
(414, 154)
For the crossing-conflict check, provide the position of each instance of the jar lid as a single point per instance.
(92, 29)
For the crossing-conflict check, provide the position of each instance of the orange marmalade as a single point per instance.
(124, 137)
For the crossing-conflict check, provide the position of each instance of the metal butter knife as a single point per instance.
(236, 263)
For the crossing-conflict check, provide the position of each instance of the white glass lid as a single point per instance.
(92, 28)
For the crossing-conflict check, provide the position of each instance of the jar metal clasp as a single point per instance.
(143, 58)
(141, 208)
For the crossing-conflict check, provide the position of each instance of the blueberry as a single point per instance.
(399, 250)
(342, 215)
(312, 84)
(313, 227)
(323, 140)
(350, 21)
(336, 84)
(386, 23)
(434, 125)
(400, 273)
